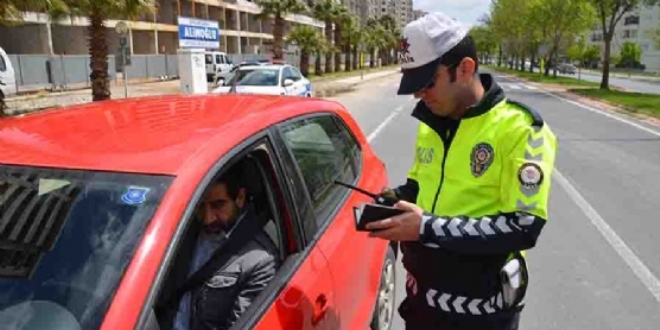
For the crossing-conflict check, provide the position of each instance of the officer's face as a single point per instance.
(443, 97)
(217, 205)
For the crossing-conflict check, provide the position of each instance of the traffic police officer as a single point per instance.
(477, 193)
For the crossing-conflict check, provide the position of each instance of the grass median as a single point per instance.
(648, 104)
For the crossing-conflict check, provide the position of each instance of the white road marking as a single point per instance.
(387, 121)
(635, 263)
(514, 86)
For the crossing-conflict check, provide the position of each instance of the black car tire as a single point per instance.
(386, 298)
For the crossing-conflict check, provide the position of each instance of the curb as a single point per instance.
(342, 87)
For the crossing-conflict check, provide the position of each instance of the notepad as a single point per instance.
(369, 212)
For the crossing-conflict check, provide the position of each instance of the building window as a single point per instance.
(631, 20)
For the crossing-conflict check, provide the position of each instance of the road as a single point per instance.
(596, 262)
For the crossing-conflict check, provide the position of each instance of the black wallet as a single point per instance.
(369, 212)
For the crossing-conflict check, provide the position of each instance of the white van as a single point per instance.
(217, 65)
(7, 78)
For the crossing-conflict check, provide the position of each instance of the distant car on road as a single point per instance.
(99, 205)
(567, 68)
(273, 79)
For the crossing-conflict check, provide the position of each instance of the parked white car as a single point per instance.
(275, 79)
(218, 65)
(7, 77)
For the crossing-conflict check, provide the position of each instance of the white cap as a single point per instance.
(426, 40)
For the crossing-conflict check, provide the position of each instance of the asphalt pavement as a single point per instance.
(596, 262)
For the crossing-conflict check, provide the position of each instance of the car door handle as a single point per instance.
(320, 309)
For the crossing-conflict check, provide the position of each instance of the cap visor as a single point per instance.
(414, 80)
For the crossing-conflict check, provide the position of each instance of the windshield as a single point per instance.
(254, 77)
(66, 238)
(209, 59)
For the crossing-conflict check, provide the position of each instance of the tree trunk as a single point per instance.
(531, 62)
(605, 82)
(499, 58)
(338, 45)
(304, 63)
(317, 65)
(355, 58)
(372, 58)
(328, 55)
(278, 31)
(347, 59)
(554, 60)
(98, 51)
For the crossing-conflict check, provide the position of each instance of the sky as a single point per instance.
(466, 11)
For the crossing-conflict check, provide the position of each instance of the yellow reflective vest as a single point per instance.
(484, 183)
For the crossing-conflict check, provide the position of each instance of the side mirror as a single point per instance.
(288, 82)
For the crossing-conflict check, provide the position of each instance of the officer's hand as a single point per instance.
(403, 227)
(387, 197)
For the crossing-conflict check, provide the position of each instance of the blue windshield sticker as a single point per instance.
(135, 195)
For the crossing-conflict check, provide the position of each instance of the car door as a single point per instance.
(300, 296)
(325, 151)
(288, 74)
(299, 85)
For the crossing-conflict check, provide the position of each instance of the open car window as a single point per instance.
(66, 238)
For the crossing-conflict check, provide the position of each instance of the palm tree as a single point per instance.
(307, 39)
(326, 11)
(11, 10)
(341, 15)
(278, 9)
(351, 33)
(97, 11)
(323, 47)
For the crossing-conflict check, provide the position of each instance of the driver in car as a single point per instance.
(225, 295)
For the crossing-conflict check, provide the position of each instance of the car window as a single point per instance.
(67, 238)
(254, 77)
(323, 154)
(287, 74)
(209, 59)
(295, 74)
(3, 65)
(218, 59)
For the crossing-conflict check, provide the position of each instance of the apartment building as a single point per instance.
(400, 10)
(241, 32)
(634, 27)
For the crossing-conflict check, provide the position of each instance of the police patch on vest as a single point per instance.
(530, 176)
(481, 158)
(425, 155)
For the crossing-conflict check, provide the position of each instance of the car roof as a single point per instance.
(263, 67)
(157, 135)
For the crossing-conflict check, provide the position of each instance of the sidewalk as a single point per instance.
(24, 104)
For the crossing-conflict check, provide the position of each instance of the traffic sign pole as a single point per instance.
(124, 58)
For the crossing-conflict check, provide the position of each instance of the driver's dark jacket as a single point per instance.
(219, 303)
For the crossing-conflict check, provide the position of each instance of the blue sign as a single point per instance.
(198, 33)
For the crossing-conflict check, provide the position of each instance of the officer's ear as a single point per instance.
(466, 69)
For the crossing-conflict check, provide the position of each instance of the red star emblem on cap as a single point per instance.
(404, 45)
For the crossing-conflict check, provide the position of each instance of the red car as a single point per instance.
(96, 203)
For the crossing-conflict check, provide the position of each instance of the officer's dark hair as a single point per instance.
(465, 48)
(233, 179)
